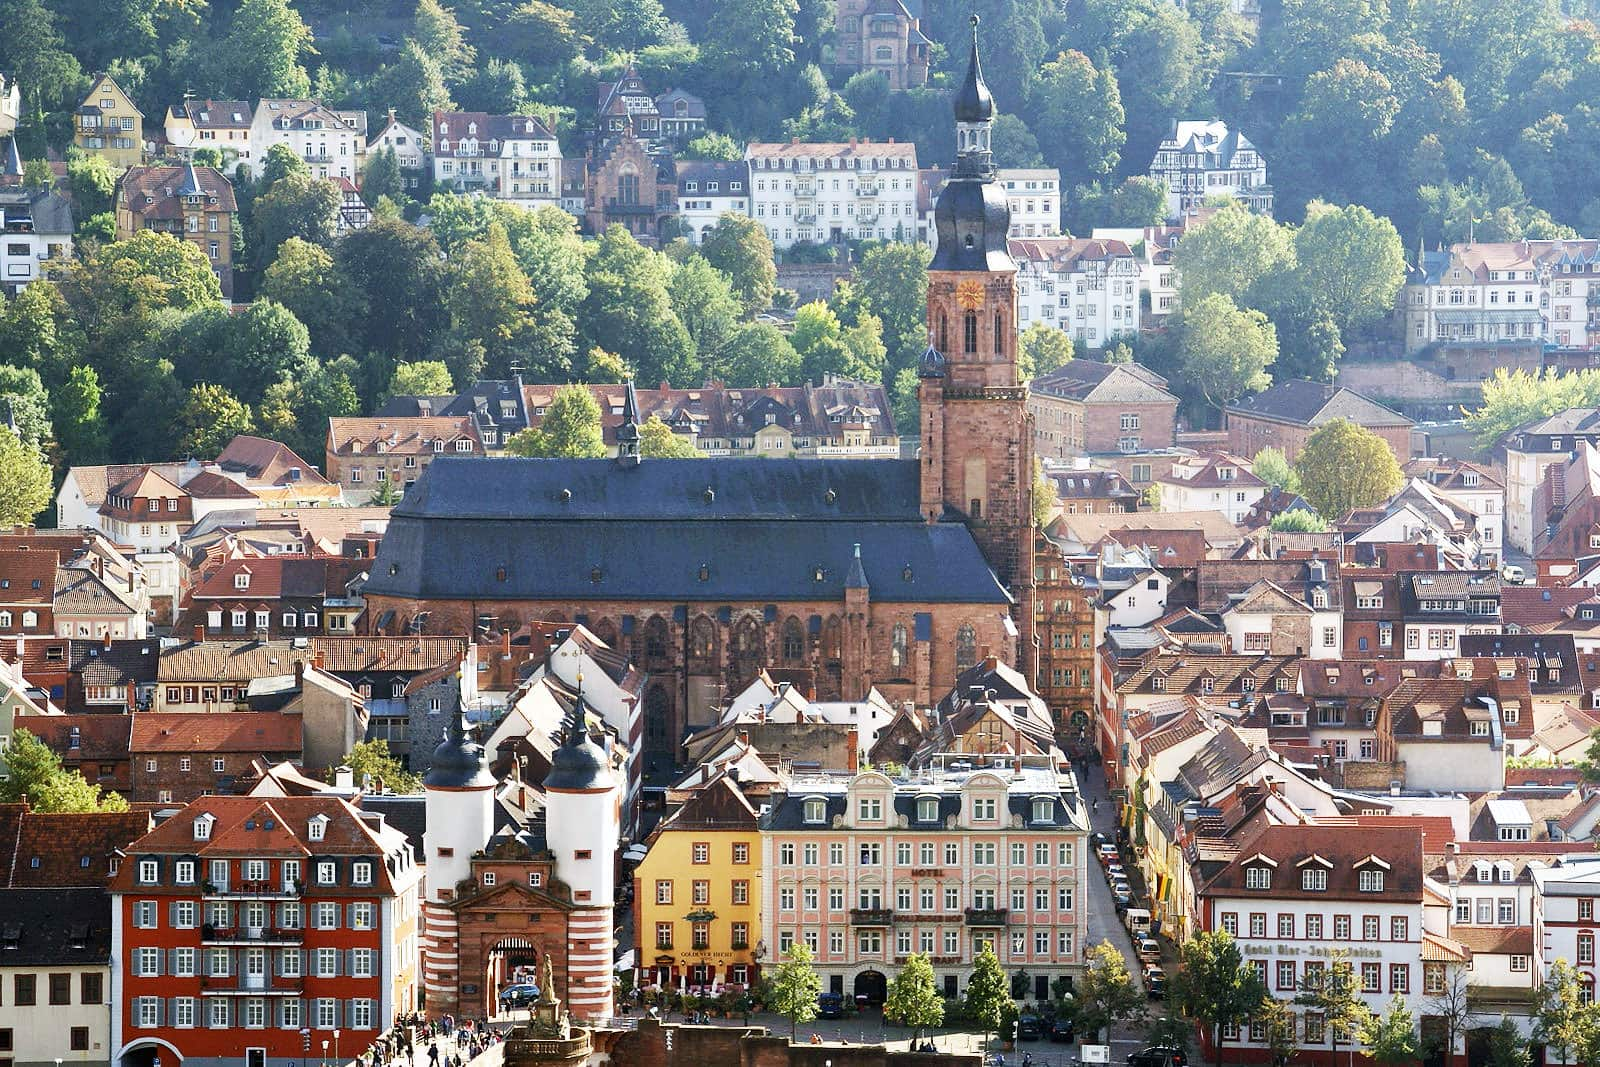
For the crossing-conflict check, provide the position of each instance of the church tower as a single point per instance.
(977, 434)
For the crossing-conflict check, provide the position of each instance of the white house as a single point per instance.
(707, 190)
(1211, 481)
(332, 143)
(1474, 487)
(1502, 291)
(221, 124)
(509, 157)
(35, 228)
(1086, 287)
(1564, 923)
(834, 191)
(1199, 159)
(410, 147)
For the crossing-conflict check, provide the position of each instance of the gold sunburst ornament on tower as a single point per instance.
(969, 294)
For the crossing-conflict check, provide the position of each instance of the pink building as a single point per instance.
(867, 869)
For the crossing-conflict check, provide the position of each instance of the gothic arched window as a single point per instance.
(656, 639)
(944, 334)
(966, 647)
(794, 641)
(897, 646)
(702, 645)
(970, 341)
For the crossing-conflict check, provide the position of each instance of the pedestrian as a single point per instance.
(433, 1054)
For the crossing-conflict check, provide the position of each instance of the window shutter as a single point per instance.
(161, 1011)
(172, 914)
(350, 916)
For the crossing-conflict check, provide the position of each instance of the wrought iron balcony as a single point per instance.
(871, 916)
(988, 916)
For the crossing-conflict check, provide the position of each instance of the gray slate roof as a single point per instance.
(1314, 403)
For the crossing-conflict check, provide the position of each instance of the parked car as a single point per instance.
(830, 1005)
(1107, 852)
(1149, 951)
(1155, 980)
(1062, 1032)
(1122, 898)
(518, 996)
(1097, 839)
(1120, 885)
(1158, 1056)
(1029, 1028)
(1513, 574)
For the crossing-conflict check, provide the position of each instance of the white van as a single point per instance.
(1138, 920)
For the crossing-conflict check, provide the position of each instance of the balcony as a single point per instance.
(618, 207)
(250, 935)
(320, 157)
(868, 189)
(805, 218)
(249, 891)
(871, 916)
(252, 985)
(988, 916)
(805, 190)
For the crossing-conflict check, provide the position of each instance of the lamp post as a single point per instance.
(324, 1052)
(336, 1046)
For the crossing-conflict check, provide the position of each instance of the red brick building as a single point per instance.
(178, 756)
(241, 920)
(1084, 406)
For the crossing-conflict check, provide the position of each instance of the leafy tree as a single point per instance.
(1309, 343)
(1281, 1026)
(93, 181)
(1042, 348)
(740, 248)
(894, 277)
(1215, 985)
(1226, 349)
(381, 177)
(36, 174)
(706, 303)
(1077, 112)
(570, 428)
(209, 419)
(24, 399)
(1344, 466)
(1298, 521)
(303, 279)
(31, 44)
(540, 33)
(1391, 1038)
(413, 85)
(423, 378)
(1236, 253)
(1014, 144)
(122, 283)
(35, 773)
(80, 426)
(657, 441)
(1045, 497)
(1335, 995)
(372, 762)
(260, 55)
(439, 35)
(490, 299)
(297, 411)
(1560, 1017)
(1507, 1046)
(903, 396)
(1170, 1031)
(256, 348)
(758, 353)
(279, 163)
(36, 331)
(795, 987)
(912, 999)
(715, 146)
(1274, 468)
(988, 993)
(25, 481)
(1350, 262)
(497, 87)
(1107, 993)
(297, 206)
(619, 25)
(385, 494)
(628, 311)
(1136, 202)
(755, 37)
(395, 278)
(1511, 398)
(1345, 113)
(826, 348)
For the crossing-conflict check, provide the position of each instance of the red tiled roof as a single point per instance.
(60, 844)
(27, 576)
(1495, 940)
(261, 731)
(1528, 606)
(1346, 851)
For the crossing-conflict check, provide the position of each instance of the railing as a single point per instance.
(253, 984)
(254, 935)
(869, 189)
(571, 1050)
(256, 890)
(988, 916)
(871, 916)
(806, 190)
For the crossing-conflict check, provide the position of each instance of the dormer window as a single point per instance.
(1044, 810)
(202, 828)
(1158, 683)
(241, 580)
(317, 827)
(1314, 880)
(927, 809)
(816, 811)
(1258, 878)
(1371, 881)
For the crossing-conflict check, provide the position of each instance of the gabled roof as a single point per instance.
(269, 578)
(1398, 847)
(216, 114)
(153, 192)
(263, 732)
(229, 661)
(49, 851)
(1093, 382)
(400, 435)
(81, 592)
(1313, 404)
(100, 737)
(267, 462)
(357, 655)
(27, 576)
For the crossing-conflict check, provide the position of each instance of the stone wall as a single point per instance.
(811, 281)
(657, 1044)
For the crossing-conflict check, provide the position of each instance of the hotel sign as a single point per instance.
(1320, 951)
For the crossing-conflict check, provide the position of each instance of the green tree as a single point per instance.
(1215, 985)
(825, 348)
(739, 247)
(629, 312)
(1042, 348)
(413, 85)
(25, 481)
(36, 331)
(386, 494)
(570, 429)
(1350, 262)
(756, 354)
(1391, 1038)
(395, 279)
(35, 773)
(303, 279)
(894, 277)
(1274, 468)
(657, 441)
(1226, 350)
(279, 163)
(619, 25)
(297, 206)
(260, 55)
(26, 403)
(1281, 1026)
(36, 174)
(209, 419)
(1136, 202)
(714, 146)
(1077, 112)
(1511, 398)
(1045, 497)
(988, 993)
(706, 303)
(1344, 466)
(1335, 994)
(381, 177)
(912, 999)
(1236, 253)
(256, 348)
(490, 299)
(80, 426)
(1107, 993)
(1170, 1031)
(439, 35)
(92, 180)
(497, 87)
(1338, 131)
(423, 378)
(1560, 1017)
(755, 37)
(31, 45)
(1298, 521)
(540, 33)
(1014, 144)
(1507, 1046)
(794, 988)
(121, 283)
(372, 763)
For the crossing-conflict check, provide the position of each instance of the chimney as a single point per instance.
(984, 656)
(199, 633)
(744, 737)
(990, 663)
(299, 673)
(317, 660)
(106, 640)
(343, 777)
(854, 755)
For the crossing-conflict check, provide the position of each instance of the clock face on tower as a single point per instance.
(969, 294)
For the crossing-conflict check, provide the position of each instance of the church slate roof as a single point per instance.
(687, 530)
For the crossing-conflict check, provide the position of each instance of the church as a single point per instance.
(897, 574)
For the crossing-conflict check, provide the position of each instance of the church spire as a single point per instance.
(974, 111)
(628, 432)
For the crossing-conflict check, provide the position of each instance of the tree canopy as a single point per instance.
(1344, 466)
(34, 772)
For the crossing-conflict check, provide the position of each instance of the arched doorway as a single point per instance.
(511, 961)
(872, 985)
(149, 1052)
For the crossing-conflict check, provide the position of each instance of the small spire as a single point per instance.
(191, 181)
(13, 163)
(973, 101)
(628, 432)
(857, 578)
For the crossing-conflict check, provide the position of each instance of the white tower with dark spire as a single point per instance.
(459, 799)
(583, 829)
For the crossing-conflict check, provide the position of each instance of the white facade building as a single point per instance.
(410, 147)
(509, 157)
(1212, 481)
(1200, 159)
(1565, 900)
(1086, 287)
(1034, 195)
(709, 190)
(331, 142)
(835, 191)
(35, 228)
(1499, 292)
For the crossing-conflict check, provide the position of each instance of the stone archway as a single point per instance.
(873, 985)
(509, 961)
(148, 1052)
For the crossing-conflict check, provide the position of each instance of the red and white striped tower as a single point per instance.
(460, 811)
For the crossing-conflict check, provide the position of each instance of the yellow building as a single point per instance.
(108, 124)
(697, 893)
